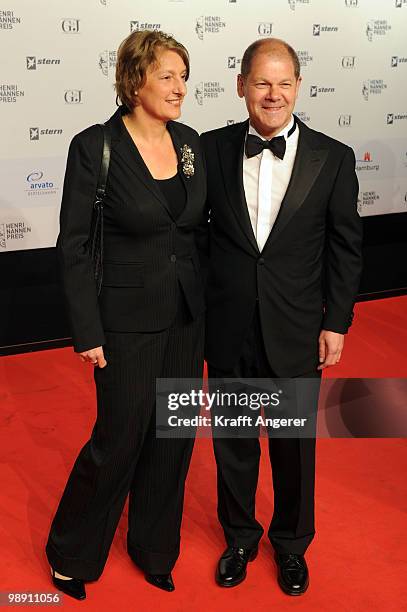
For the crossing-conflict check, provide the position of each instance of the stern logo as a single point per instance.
(234, 62)
(35, 132)
(315, 90)
(138, 26)
(396, 60)
(392, 117)
(32, 62)
(318, 29)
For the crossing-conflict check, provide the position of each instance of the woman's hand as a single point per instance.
(94, 356)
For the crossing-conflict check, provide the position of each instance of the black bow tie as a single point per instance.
(255, 145)
(277, 145)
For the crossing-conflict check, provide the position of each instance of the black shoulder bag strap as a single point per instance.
(96, 233)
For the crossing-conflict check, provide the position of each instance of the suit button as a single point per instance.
(173, 225)
(260, 261)
(173, 258)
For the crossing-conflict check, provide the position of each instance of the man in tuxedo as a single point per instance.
(284, 267)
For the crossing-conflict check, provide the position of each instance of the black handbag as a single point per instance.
(96, 230)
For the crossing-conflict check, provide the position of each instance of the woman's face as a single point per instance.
(162, 94)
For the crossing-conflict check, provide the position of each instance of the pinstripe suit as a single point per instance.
(148, 318)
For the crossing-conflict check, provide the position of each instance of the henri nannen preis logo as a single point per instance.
(303, 116)
(107, 62)
(32, 62)
(367, 198)
(293, 3)
(377, 27)
(372, 87)
(10, 93)
(208, 24)
(2, 236)
(207, 90)
(15, 230)
(304, 58)
(8, 20)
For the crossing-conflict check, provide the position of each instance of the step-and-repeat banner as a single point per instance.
(58, 64)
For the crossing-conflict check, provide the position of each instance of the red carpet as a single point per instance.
(357, 561)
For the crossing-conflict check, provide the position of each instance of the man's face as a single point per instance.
(270, 91)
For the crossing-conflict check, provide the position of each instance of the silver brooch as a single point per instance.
(187, 160)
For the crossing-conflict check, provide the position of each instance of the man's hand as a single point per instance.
(94, 356)
(330, 348)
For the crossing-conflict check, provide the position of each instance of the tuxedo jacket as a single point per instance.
(307, 275)
(148, 254)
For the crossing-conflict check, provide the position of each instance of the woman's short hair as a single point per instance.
(135, 54)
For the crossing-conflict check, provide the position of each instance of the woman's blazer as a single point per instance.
(147, 253)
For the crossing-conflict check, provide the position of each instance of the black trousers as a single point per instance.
(293, 467)
(123, 456)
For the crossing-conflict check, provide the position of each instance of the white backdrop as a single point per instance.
(58, 62)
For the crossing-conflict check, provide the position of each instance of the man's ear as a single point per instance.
(240, 86)
(297, 86)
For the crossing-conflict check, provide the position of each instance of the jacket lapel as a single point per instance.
(178, 143)
(231, 161)
(309, 160)
(124, 146)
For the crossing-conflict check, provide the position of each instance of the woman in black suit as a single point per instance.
(146, 323)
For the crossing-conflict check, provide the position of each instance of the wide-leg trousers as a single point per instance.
(293, 469)
(123, 456)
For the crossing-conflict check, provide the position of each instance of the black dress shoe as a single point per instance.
(292, 573)
(74, 587)
(162, 581)
(231, 569)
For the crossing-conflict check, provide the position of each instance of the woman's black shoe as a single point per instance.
(73, 587)
(162, 581)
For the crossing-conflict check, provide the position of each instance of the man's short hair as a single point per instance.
(135, 55)
(272, 46)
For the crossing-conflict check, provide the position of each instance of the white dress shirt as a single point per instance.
(265, 181)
